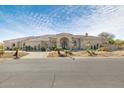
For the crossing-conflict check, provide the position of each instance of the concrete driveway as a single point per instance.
(35, 55)
(62, 73)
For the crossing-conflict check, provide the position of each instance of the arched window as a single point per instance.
(75, 43)
(39, 47)
(13, 45)
(23, 44)
(91, 47)
(97, 46)
(35, 48)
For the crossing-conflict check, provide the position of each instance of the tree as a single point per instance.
(119, 43)
(111, 41)
(107, 35)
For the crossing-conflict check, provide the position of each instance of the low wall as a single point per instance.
(112, 47)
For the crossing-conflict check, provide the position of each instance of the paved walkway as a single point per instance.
(35, 55)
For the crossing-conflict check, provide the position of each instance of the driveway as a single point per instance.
(35, 55)
(62, 73)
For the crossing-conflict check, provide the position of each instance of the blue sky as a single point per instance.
(21, 21)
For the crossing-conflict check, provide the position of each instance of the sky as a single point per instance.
(33, 20)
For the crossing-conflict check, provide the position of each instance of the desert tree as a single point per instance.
(109, 36)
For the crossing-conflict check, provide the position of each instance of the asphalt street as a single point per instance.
(62, 73)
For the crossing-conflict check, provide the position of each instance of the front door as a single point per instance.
(64, 43)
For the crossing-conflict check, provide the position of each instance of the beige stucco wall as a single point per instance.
(92, 40)
(81, 41)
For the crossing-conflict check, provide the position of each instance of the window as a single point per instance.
(13, 45)
(23, 44)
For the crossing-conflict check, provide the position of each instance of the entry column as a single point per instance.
(70, 43)
(58, 43)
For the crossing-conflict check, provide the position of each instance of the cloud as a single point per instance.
(8, 34)
(103, 19)
(72, 19)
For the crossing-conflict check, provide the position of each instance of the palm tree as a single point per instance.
(16, 53)
(58, 50)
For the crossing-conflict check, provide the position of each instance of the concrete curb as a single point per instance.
(75, 58)
(4, 59)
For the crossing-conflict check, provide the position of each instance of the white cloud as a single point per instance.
(8, 34)
(104, 19)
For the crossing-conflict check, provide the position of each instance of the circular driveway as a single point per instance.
(35, 55)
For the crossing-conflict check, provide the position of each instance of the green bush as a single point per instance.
(58, 49)
(103, 49)
(15, 48)
(121, 47)
(120, 43)
(53, 48)
(1, 50)
(43, 49)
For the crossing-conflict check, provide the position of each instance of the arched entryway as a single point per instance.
(64, 43)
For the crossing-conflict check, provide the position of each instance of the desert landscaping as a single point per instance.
(118, 53)
(9, 54)
(111, 48)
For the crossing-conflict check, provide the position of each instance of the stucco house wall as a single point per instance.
(63, 40)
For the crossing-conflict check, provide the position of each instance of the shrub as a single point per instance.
(43, 49)
(53, 48)
(1, 50)
(58, 50)
(119, 43)
(103, 49)
(68, 52)
(91, 52)
(15, 48)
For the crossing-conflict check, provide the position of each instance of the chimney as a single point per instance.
(86, 34)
